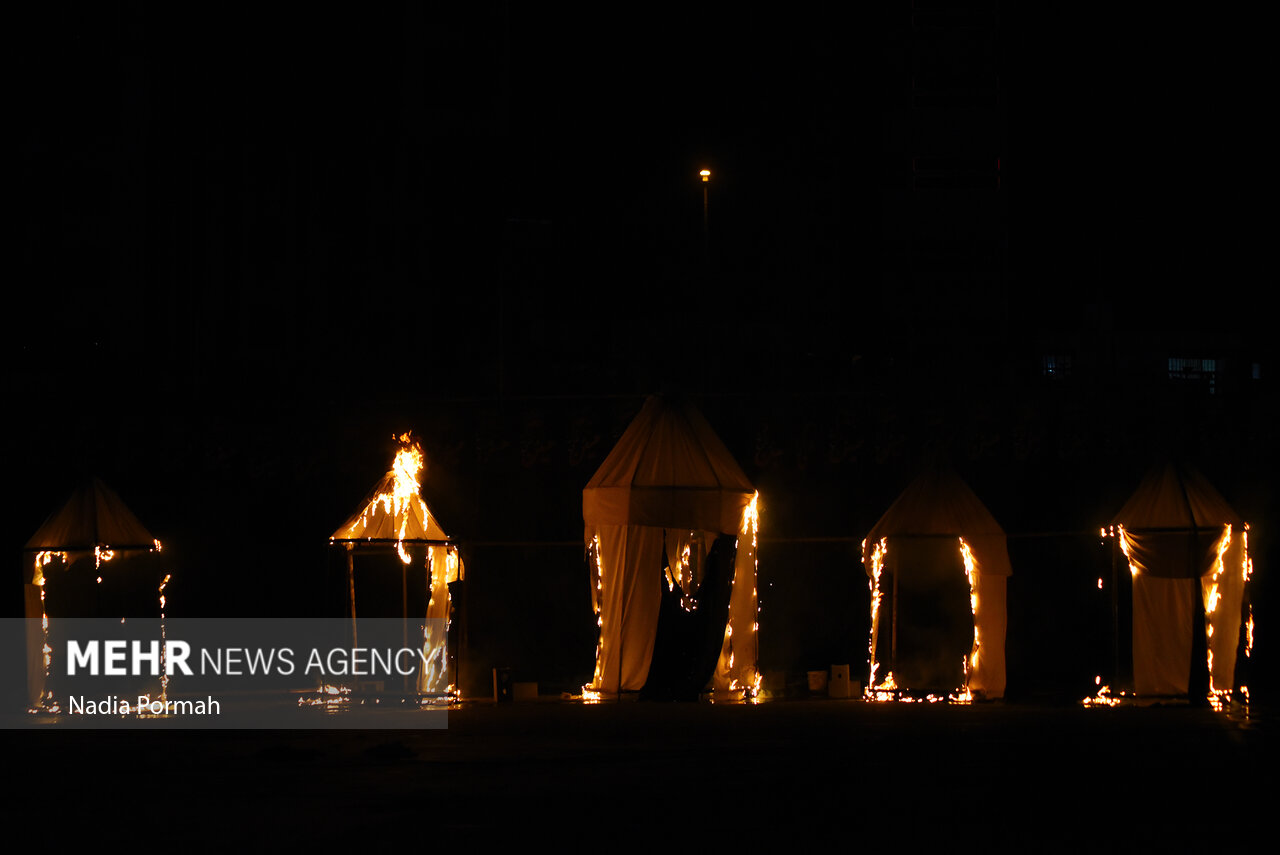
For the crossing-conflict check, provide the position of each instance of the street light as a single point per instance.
(706, 179)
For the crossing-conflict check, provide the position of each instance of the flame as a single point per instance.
(971, 571)
(747, 674)
(751, 517)
(1126, 547)
(42, 559)
(886, 691)
(889, 690)
(1248, 648)
(877, 566)
(164, 671)
(598, 677)
(405, 492)
(1246, 564)
(1211, 607)
(46, 703)
(330, 698)
(1246, 571)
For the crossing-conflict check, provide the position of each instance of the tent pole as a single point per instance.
(622, 637)
(404, 614)
(893, 643)
(462, 630)
(622, 623)
(351, 588)
(1115, 616)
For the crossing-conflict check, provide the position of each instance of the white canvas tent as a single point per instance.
(1184, 545)
(668, 486)
(93, 526)
(395, 516)
(940, 540)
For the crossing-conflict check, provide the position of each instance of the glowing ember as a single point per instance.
(886, 691)
(328, 697)
(1102, 698)
(164, 671)
(101, 554)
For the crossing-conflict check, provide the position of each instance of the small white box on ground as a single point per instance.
(840, 687)
(817, 681)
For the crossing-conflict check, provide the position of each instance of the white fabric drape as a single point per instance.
(988, 675)
(1163, 613)
(1169, 566)
(736, 668)
(626, 576)
(442, 567)
(1224, 601)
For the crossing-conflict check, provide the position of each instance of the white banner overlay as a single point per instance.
(377, 673)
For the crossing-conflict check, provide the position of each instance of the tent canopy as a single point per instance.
(1187, 552)
(94, 516)
(669, 469)
(93, 523)
(382, 516)
(935, 609)
(1176, 498)
(668, 488)
(938, 503)
(395, 512)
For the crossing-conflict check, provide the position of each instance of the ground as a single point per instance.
(921, 775)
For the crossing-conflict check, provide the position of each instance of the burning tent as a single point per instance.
(654, 511)
(395, 517)
(947, 562)
(1188, 553)
(92, 525)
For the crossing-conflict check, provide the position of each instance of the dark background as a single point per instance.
(251, 245)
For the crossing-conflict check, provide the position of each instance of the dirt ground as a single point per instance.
(636, 773)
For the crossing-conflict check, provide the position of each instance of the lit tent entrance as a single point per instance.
(938, 564)
(1188, 555)
(395, 518)
(654, 511)
(91, 532)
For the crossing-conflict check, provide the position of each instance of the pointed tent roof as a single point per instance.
(392, 506)
(939, 503)
(668, 469)
(93, 516)
(380, 519)
(1175, 498)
